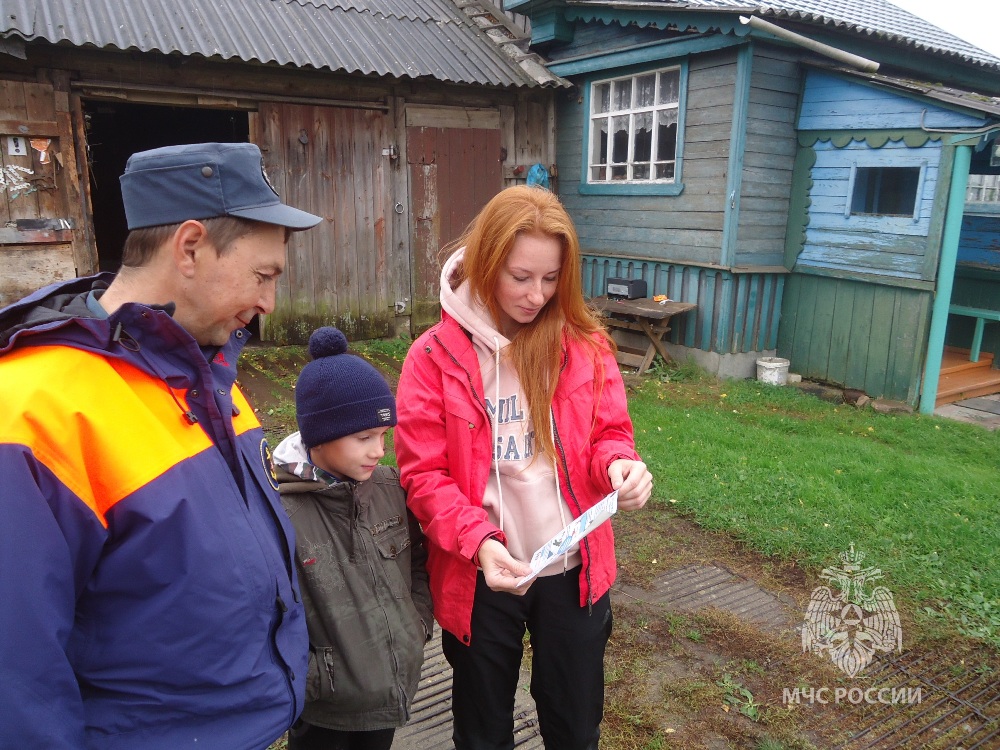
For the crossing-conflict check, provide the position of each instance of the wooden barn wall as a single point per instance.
(736, 312)
(358, 273)
(831, 102)
(686, 227)
(42, 213)
(855, 334)
(882, 245)
(329, 161)
(768, 158)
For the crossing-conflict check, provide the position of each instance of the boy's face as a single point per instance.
(352, 456)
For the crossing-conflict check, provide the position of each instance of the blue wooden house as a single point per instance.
(799, 170)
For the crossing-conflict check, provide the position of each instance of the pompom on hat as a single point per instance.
(338, 394)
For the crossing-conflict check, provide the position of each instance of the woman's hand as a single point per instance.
(501, 570)
(633, 482)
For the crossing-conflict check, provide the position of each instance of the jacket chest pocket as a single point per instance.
(391, 544)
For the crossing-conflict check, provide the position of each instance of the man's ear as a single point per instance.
(189, 245)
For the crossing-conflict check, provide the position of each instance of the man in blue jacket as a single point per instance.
(148, 592)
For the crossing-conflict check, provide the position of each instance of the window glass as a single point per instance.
(623, 95)
(645, 91)
(602, 97)
(885, 191)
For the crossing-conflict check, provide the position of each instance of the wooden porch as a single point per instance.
(962, 379)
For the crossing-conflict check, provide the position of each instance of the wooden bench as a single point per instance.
(981, 315)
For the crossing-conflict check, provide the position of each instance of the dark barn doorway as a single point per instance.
(115, 131)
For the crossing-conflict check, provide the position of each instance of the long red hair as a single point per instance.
(536, 351)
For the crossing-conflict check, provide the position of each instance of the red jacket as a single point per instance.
(444, 446)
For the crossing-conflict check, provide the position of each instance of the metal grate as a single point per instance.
(957, 708)
(694, 586)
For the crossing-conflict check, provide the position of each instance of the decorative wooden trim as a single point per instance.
(873, 138)
(798, 206)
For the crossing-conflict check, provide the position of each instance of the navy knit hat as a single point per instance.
(338, 394)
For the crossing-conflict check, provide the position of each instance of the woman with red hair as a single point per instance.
(512, 421)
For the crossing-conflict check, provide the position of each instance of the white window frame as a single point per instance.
(594, 120)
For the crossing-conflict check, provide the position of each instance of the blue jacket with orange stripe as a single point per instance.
(147, 587)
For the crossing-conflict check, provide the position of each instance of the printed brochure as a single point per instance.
(572, 534)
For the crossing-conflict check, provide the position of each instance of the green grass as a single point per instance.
(803, 479)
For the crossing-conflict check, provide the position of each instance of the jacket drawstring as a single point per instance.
(124, 339)
(496, 426)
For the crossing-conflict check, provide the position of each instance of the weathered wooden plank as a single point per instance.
(347, 239)
(631, 216)
(833, 103)
(841, 332)
(806, 312)
(901, 362)
(31, 128)
(822, 330)
(28, 268)
(452, 117)
(14, 236)
(879, 344)
(862, 322)
(838, 242)
(317, 258)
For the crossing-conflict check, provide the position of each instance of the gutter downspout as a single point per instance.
(855, 61)
(945, 277)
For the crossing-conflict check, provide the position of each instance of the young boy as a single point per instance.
(359, 553)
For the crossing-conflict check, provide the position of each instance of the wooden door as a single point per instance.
(454, 171)
(331, 162)
(42, 217)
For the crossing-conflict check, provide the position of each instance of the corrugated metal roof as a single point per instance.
(876, 18)
(397, 38)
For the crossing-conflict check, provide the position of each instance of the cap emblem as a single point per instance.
(266, 178)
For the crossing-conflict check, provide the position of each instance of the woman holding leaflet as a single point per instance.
(513, 422)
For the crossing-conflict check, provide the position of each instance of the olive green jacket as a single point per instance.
(360, 558)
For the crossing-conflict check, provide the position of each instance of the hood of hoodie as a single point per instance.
(471, 314)
(522, 496)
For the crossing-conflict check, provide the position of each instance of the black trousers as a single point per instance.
(567, 666)
(305, 736)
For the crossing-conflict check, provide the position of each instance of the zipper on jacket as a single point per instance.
(569, 486)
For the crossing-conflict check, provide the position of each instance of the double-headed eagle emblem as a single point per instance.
(852, 625)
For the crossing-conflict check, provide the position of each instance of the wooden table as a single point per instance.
(639, 316)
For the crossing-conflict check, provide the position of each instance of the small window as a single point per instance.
(885, 191)
(983, 188)
(633, 128)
